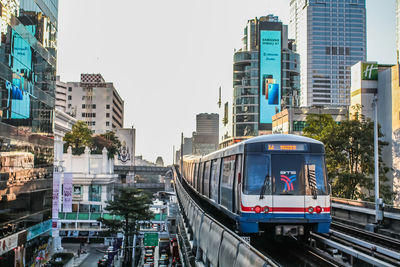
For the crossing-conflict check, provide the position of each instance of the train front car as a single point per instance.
(285, 190)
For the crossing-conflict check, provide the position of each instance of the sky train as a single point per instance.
(272, 183)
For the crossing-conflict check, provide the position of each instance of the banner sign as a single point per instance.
(67, 192)
(8, 243)
(56, 194)
(38, 229)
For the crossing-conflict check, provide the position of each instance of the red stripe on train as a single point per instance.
(284, 209)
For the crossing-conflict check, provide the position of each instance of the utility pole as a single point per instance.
(181, 161)
(378, 201)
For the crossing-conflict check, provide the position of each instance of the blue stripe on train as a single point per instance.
(248, 222)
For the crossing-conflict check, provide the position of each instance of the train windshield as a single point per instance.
(284, 174)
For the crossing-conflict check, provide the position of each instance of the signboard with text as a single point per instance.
(270, 74)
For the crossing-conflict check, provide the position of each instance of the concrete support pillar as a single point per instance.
(104, 163)
(68, 160)
(87, 161)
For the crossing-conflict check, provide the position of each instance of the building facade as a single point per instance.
(330, 37)
(96, 102)
(27, 88)
(93, 181)
(293, 120)
(61, 95)
(265, 76)
(370, 82)
(205, 139)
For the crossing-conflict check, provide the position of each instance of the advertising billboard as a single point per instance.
(270, 74)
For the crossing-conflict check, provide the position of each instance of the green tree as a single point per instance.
(78, 138)
(130, 205)
(108, 140)
(350, 155)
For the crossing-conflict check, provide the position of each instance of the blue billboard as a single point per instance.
(270, 74)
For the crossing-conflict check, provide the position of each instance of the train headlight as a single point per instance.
(257, 209)
(266, 209)
(310, 209)
(318, 209)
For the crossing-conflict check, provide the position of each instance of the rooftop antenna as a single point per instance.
(219, 100)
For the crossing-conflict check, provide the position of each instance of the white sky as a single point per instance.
(168, 58)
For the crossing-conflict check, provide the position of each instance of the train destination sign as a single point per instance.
(286, 147)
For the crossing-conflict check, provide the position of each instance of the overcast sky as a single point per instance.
(168, 58)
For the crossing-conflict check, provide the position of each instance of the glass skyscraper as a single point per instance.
(330, 37)
(246, 77)
(28, 45)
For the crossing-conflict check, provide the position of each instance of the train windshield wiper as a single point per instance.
(264, 186)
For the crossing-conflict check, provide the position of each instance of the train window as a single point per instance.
(257, 174)
(200, 178)
(214, 183)
(228, 172)
(194, 174)
(206, 180)
(287, 174)
(314, 173)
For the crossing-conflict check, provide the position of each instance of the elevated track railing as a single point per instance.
(213, 243)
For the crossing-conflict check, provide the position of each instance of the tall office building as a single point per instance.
(330, 37)
(265, 76)
(28, 55)
(205, 139)
(96, 102)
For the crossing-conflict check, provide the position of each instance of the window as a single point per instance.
(70, 97)
(70, 89)
(95, 193)
(314, 174)
(107, 106)
(214, 180)
(206, 180)
(94, 106)
(228, 172)
(77, 190)
(287, 174)
(107, 115)
(257, 174)
(107, 123)
(83, 115)
(83, 105)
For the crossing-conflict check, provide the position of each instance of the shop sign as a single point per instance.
(38, 229)
(8, 243)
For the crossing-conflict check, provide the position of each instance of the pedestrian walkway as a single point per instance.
(91, 250)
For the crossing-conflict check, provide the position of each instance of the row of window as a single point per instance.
(215, 179)
(89, 106)
(88, 115)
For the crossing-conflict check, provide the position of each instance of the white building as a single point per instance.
(93, 182)
(96, 102)
(63, 124)
(330, 37)
(371, 80)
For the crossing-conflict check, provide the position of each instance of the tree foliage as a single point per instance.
(350, 155)
(81, 136)
(132, 205)
(108, 140)
(78, 138)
